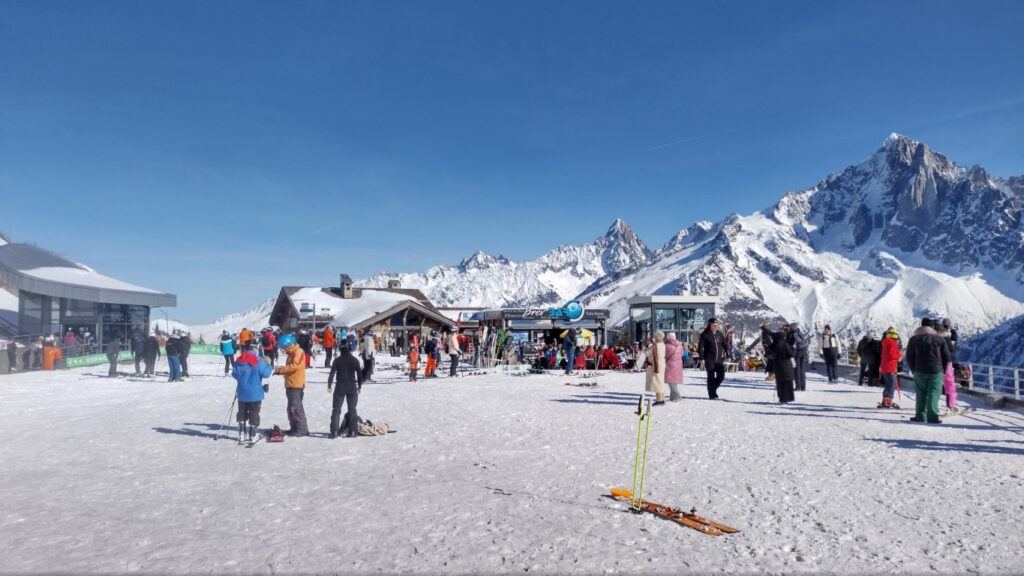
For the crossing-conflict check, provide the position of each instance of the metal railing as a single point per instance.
(1003, 380)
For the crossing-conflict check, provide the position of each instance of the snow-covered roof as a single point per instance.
(30, 268)
(348, 311)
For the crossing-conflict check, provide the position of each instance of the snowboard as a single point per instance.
(688, 519)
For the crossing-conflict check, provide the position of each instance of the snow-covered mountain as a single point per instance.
(905, 233)
(561, 274)
(253, 319)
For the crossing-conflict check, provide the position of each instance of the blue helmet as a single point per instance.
(286, 341)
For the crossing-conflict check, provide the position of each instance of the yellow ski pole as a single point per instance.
(647, 440)
(636, 461)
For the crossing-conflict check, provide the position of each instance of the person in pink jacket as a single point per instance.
(673, 366)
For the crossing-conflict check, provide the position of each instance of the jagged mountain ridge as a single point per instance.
(905, 233)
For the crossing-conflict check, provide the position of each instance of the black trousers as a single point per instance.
(800, 369)
(339, 399)
(296, 413)
(328, 352)
(831, 363)
(367, 368)
(112, 358)
(865, 370)
(183, 358)
(716, 374)
(150, 365)
(229, 362)
(249, 412)
(455, 365)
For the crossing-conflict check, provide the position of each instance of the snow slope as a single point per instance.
(498, 474)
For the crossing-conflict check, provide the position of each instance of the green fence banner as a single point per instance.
(94, 359)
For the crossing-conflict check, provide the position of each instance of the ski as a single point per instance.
(255, 441)
(957, 412)
(688, 519)
(582, 384)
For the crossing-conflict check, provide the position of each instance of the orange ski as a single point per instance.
(698, 523)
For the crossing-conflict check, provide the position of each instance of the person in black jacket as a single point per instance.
(927, 356)
(12, 356)
(783, 350)
(711, 347)
(150, 352)
(350, 383)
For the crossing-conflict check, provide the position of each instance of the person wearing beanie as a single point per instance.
(927, 356)
(711, 348)
(830, 352)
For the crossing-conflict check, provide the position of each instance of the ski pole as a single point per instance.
(647, 441)
(228, 417)
(898, 393)
(636, 461)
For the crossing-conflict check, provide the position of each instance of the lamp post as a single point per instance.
(167, 321)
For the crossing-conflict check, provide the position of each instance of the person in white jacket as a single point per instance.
(453, 352)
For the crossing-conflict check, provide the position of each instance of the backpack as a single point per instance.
(799, 340)
(265, 340)
(369, 428)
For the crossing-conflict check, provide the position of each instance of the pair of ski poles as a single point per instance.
(228, 418)
(636, 505)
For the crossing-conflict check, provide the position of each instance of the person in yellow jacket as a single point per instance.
(294, 372)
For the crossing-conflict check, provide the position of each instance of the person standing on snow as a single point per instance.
(369, 352)
(112, 350)
(673, 366)
(655, 373)
(138, 351)
(948, 380)
(150, 352)
(12, 355)
(414, 362)
(453, 352)
(184, 349)
(430, 348)
(350, 384)
(249, 372)
(306, 343)
(711, 348)
(830, 352)
(227, 348)
(801, 357)
(268, 343)
(783, 352)
(927, 356)
(891, 356)
(328, 346)
(294, 372)
(569, 345)
(173, 359)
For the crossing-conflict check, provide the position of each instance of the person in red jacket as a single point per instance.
(891, 356)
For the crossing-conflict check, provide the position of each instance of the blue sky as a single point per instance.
(219, 150)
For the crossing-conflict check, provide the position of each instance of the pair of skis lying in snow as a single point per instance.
(688, 519)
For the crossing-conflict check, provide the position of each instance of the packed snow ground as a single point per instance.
(498, 474)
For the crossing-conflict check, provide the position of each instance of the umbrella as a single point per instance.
(586, 334)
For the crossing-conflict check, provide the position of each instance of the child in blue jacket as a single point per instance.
(249, 372)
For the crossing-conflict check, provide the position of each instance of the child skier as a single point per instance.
(414, 363)
(249, 372)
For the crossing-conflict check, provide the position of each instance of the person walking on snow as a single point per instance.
(887, 372)
(673, 366)
(569, 345)
(294, 372)
(227, 348)
(249, 372)
(927, 356)
(350, 384)
(369, 353)
(113, 348)
(328, 346)
(801, 357)
(711, 348)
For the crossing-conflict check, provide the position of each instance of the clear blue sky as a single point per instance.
(219, 150)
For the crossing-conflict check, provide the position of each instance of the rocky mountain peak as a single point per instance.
(621, 249)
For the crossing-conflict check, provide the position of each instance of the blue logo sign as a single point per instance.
(572, 311)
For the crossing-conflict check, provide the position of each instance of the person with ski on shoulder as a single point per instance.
(350, 384)
(927, 356)
(711, 349)
(227, 348)
(249, 372)
(294, 372)
(889, 367)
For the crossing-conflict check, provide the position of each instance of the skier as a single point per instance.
(306, 343)
(12, 355)
(891, 356)
(173, 358)
(369, 351)
(268, 343)
(249, 372)
(927, 356)
(801, 358)
(184, 349)
(150, 352)
(227, 348)
(328, 341)
(453, 352)
(414, 363)
(430, 349)
(673, 366)
(569, 345)
(711, 349)
(352, 340)
(830, 352)
(112, 349)
(294, 372)
(783, 351)
(350, 384)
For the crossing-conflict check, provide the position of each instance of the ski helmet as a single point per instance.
(287, 341)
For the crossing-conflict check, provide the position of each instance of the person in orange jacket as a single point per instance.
(243, 337)
(294, 372)
(414, 363)
(328, 345)
(891, 356)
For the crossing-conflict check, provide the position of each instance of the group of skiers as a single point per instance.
(434, 345)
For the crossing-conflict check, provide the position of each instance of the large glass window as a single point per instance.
(30, 314)
(665, 319)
